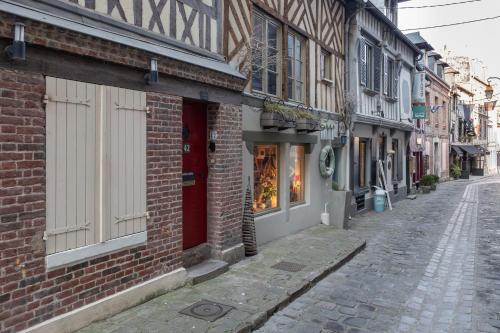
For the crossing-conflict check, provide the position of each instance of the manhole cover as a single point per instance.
(288, 266)
(206, 310)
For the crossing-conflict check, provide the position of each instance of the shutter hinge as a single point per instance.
(144, 109)
(131, 217)
(47, 99)
(64, 230)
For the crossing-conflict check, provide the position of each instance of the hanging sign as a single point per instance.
(418, 96)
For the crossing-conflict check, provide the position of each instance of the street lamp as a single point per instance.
(489, 88)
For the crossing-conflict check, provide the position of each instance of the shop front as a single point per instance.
(283, 169)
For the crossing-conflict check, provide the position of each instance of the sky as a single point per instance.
(479, 40)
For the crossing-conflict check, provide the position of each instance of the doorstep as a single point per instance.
(250, 292)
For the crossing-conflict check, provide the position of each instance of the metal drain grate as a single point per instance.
(289, 266)
(206, 310)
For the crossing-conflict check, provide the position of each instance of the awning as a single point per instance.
(471, 150)
(457, 150)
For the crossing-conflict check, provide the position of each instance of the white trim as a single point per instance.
(73, 256)
(81, 317)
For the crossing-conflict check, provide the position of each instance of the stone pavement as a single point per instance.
(431, 265)
(252, 287)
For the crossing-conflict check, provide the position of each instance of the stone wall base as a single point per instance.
(106, 307)
(231, 255)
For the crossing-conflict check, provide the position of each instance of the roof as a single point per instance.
(468, 92)
(378, 14)
(419, 41)
(484, 83)
(434, 54)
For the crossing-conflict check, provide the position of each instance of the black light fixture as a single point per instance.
(152, 76)
(17, 50)
(489, 91)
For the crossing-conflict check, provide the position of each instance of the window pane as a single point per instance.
(272, 36)
(297, 159)
(271, 83)
(298, 70)
(258, 28)
(362, 164)
(291, 93)
(322, 65)
(272, 59)
(290, 67)
(298, 91)
(265, 177)
(290, 45)
(298, 48)
(256, 78)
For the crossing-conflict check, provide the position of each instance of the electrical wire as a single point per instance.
(426, 6)
(453, 24)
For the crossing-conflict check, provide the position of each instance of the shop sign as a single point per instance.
(418, 96)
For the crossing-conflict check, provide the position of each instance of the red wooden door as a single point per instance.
(194, 175)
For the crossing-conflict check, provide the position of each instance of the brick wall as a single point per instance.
(60, 39)
(225, 201)
(28, 293)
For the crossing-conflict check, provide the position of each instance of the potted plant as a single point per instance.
(436, 181)
(339, 205)
(456, 171)
(277, 115)
(307, 122)
(426, 183)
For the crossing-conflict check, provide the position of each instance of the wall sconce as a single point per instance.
(343, 140)
(152, 76)
(17, 50)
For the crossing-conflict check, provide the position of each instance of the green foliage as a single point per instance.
(289, 112)
(456, 170)
(436, 178)
(427, 180)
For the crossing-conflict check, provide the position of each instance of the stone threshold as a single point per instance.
(253, 288)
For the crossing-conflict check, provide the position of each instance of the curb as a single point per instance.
(259, 319)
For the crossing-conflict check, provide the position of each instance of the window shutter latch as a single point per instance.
(58, 231)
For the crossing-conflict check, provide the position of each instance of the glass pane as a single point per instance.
(362, 164)
(322, 65)
(257, 78)
(298, 48)
(265, 168)
(272, 59)
(290, 67)
(298, 91)
(298, 70)
(258, 28)
(271, 83)
(290, 45)
(272, 36)
(291, 93)
(296, 174)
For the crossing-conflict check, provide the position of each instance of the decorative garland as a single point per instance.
(327, 161)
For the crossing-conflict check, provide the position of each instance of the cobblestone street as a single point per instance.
(431, 265)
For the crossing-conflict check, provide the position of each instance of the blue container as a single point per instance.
(379, 201)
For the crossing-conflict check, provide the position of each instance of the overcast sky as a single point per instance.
(477, 40)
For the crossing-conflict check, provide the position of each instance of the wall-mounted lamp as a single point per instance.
(17, 50)
(152, 76)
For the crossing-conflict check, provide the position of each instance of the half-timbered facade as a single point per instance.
(381, 66)
(292, 52)
(123, 125)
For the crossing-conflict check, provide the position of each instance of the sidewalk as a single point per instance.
(252, 289)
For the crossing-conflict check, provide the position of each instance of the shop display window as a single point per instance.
(266, 175)
(296, 174)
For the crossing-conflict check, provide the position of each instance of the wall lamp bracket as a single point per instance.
(17, 50)
(152, 77)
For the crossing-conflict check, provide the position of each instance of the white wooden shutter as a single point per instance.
(72, 149)
(386, 75)
(377, 71)
(125, 162)
(363, 70)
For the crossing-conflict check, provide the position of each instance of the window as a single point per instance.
(370, 65)
(397, 166)
(325, 65)
(297, 181)
(296, 74)
(92, 199)
(266, 167)
(436, 109)
(265, 55)
(391, 77)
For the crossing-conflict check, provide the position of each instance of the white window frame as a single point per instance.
(325, 65)
(293, 76)
(265, 59)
